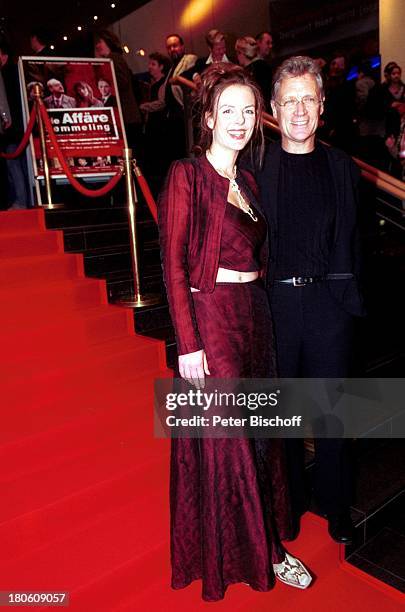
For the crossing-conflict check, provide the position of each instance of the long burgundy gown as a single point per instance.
(229, 499)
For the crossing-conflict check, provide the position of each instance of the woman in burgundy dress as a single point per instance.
(228, 498)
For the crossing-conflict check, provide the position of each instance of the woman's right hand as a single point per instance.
(193, 367)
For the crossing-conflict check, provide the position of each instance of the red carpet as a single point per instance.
(84, 483)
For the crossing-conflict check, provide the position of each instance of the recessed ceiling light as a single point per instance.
(65, 38)
(79, 28)
(95, 17)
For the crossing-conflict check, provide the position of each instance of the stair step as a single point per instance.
(55, 377)
(89, 217)
(20, 221)
(108, 493)
(22, 420)
(74, 464)
(154, 317)
(29, 270)
(50, 297)
(74, 560)
(124, 584)
(38, 336)
(96, 238)
(30, 244)
(101, 264)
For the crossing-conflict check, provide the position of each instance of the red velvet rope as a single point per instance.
(147, 194)
(25, 138)
(91, 193)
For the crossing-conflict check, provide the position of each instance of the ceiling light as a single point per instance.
(79, 28)
(112, 5)
(65, 38)
(95, 17)
(126, 48)
(52, 47)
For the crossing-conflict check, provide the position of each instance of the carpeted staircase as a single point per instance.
(84, 504)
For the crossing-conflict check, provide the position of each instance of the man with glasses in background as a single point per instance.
(309, 195)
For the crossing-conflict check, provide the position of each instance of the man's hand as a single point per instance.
(193, 367)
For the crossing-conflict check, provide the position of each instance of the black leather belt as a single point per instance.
(301, 281)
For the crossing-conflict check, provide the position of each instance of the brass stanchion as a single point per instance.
(42, 139)
(137, 300)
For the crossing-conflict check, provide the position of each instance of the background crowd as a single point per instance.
(364, 113)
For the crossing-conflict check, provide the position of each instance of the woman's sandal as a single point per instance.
(292, 572)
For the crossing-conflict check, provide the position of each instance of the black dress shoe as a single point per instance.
(340, 527)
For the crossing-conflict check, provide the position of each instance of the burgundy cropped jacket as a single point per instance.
(191, 212)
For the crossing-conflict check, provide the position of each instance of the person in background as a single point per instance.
(265, 45)
(174, 138)
(363, 85)
(381, 119)
(392, 96)
(107, 44)
(39, 42)
(158, 68)
(247, 53)
(395, 144)
(13, 131)
(154, 111)
(181, 61)
(339, 127)
(217, 53)
(228, 497)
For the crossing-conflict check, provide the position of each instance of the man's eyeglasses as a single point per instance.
(291, 103)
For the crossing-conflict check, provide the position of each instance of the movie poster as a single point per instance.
(82, 101)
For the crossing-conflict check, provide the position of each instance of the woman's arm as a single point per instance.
(156, 105)
(175, 204)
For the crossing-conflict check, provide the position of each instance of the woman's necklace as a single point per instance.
(242, 204)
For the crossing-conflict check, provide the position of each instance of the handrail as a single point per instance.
(379, 174)
(380, 179)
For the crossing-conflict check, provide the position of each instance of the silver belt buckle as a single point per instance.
(299, 281)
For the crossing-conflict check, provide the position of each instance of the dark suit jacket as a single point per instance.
(191, 212)
(345, 251)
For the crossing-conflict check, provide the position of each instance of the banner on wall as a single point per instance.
(297, 26)
(83, 104)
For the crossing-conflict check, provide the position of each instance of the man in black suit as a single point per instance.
(309, 195)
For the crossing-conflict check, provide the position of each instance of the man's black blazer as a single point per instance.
(345, 251)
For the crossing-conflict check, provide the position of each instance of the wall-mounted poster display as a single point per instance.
(82, 101)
